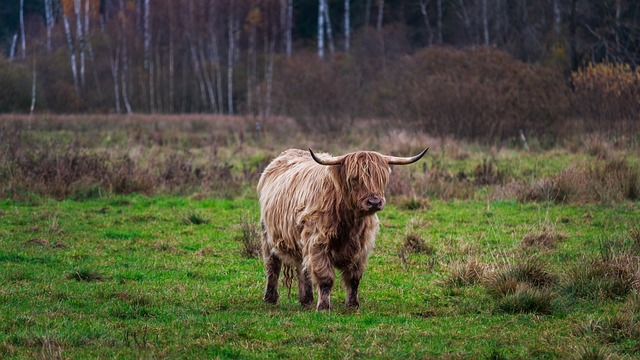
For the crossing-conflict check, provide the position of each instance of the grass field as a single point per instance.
(521, 264)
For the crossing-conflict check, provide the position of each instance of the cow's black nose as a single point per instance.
(374, 203)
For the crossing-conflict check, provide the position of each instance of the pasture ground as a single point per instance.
(135, 238)
(132, 276)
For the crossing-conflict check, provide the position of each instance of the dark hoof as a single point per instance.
(271, 298)
(353, 305)
(306, 301)
(323, 306)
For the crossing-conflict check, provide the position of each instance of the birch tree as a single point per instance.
(347, 26)
(485, 22)
(72, 51)
(23, 40)
(289, 27)
(12, 49)
(427, 22)
(327, 19)
(231, 56)
(380, 15)
(114, 62)
(77, 5)
(148, 65)
(48, 15)
(215, 50)
(321, 18)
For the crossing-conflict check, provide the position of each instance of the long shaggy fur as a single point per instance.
(316, 217)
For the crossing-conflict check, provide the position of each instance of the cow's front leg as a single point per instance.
(305, 290)
(323, 275)
(351, 280)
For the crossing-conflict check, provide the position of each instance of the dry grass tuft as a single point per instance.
(547, 238)
(464, 273)
(415, 244)
(250, 238)
(85, 275)
(522, 286)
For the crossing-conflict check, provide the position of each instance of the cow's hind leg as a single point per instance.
(272, 266)
(305, 290)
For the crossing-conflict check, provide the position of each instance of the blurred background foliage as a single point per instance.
(474, 69)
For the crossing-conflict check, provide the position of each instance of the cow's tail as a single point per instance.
(288, 272)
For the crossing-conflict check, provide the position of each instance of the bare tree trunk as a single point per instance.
(332, 48)
(147, 53)
(48, 15)
(617, 29)
(87, 16)
(196, 69)
(12, 49)
(171, 65)
(321, 29)
(439, 25)
(207, 78)
(33, 88)
(367, 13)
(427, 22)
(289, 27)
(230, 60)
(158, 77)
(125, 75)
(218, 74)
(114, 61)
(77, 5)
(465, 18)
(251, 67)
(72, 51)
(380, 15)
(269, 79)
(557, 17)
(23, 39)
(485, 22)
(347, 26)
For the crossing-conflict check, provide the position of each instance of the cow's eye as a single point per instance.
(353, 181)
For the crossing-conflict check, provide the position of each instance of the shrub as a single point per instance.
(250, 238)
(607, 93)
(15, 87)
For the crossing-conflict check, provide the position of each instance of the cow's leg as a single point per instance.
(272, 266)
(323, 275)
(305, 290)
(351, 280)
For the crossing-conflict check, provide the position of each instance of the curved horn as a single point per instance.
(336, 160)
(394, 160)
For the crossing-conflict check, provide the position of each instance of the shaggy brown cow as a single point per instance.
(319, 212)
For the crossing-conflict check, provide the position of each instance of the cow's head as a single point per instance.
(363, 176)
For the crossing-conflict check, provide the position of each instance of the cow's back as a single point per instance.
(291, 187)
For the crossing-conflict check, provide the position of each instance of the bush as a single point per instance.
(607, 93)
(15, 87)
(478, 93)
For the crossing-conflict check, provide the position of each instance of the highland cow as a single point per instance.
(317, 213)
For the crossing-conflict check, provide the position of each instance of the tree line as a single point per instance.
(223, 56)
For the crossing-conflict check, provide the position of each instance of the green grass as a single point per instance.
(128, 277)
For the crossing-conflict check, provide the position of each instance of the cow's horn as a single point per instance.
(394, 160)
(336, 160)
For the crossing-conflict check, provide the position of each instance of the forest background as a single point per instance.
(479, 69)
